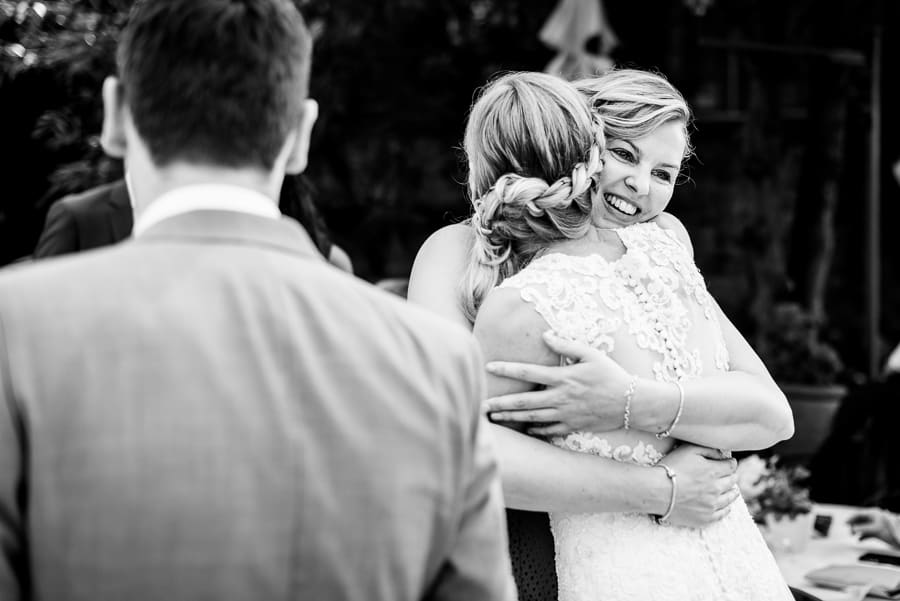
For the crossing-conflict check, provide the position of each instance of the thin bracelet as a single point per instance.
(668, 431)
(671, 474)
(629, 395)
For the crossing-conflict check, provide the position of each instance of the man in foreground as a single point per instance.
(209, 411)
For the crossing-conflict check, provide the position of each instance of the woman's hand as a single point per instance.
(707, 485)
(877, 523)
(588, 395)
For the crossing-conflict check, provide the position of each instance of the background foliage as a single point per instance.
(776, 213)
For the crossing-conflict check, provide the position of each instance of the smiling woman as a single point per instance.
(627, 287)
(638, 177)
(588, 253)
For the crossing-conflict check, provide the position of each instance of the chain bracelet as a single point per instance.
(629, 395)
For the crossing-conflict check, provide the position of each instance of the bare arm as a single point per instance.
(742, 409)
(877, 523)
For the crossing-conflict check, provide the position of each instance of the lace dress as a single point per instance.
(651, 312)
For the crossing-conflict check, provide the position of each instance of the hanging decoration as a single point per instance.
(571, 25)
(698, 7)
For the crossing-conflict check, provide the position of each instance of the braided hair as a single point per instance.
(534, 151)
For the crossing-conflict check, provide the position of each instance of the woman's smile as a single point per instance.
(621, 205)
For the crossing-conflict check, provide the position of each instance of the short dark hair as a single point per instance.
(215, 81)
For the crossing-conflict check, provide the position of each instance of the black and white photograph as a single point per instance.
(450, 300)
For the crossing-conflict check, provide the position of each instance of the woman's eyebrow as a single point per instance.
(638, 153)
(634, 148)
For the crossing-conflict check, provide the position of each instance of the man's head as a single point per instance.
(219, 83)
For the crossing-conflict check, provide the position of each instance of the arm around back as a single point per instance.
(538, 476)
(740, 409)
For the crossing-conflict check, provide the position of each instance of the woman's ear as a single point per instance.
(112, 136)
(299, 152)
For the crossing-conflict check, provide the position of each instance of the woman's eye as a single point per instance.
(663, 175)
(622, 154)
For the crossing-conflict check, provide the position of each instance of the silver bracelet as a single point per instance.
(671, 474)
(668, 431)
(629, 395)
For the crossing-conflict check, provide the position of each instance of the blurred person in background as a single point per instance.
(857, 462)
(105, 215)
(877, 523)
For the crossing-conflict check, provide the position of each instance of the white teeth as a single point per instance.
(622, 205)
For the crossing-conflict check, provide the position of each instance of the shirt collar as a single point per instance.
(206, 197)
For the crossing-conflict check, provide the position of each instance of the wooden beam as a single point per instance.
(873, 215)
(844, 56)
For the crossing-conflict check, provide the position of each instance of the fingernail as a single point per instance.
(491, 366)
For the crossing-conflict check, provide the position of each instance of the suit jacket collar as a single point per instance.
(232, 227)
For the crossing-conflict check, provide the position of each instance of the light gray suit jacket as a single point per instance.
(210, 411)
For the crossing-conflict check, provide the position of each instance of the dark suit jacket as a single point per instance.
(215, 413)
(103, 215)
(98, 217)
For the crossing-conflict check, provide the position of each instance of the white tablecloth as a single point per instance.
(839, 547)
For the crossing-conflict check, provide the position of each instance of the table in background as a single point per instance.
(839, 547)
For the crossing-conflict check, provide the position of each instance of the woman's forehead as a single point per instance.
(665, 144)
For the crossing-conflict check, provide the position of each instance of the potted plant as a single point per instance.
(807, 370)
(778, 499)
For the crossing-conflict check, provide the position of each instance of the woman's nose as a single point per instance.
(638, 183)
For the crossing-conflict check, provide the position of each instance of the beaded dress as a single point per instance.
(651, 312)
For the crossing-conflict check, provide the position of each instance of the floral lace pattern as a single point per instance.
(651, 308)
(641, 453)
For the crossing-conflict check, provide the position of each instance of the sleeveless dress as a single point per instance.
(651, 312)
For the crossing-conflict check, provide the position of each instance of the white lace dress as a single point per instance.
(651, 312)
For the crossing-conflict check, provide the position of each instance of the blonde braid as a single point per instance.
(536, 195)
(499, 225)
(534, 157)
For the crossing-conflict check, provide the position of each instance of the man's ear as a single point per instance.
(299, 153)
(112, 137)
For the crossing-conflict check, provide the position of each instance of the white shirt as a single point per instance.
(206, 197)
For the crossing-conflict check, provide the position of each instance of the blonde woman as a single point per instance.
(569, 235)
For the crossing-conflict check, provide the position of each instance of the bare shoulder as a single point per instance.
(667, 221)
(509, 329)
(438, 269)
(450, 242)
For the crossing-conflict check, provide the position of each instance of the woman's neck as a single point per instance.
(603, 241)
